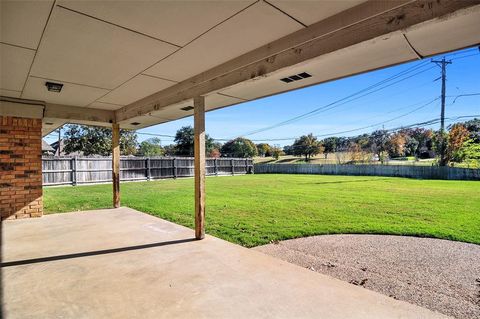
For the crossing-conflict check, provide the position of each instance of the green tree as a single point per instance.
(329, 145)
(239, 147)
(151, 147)
(170, 150)
(473, 126)
(276, 152)
(288, 149)
(378, 141)
(264, 149)
(184, 139)
(411, 146)
(470, 150)
(97, 140)
(307, 145)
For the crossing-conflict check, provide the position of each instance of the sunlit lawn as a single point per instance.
(256, 209)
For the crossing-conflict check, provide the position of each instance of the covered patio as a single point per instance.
(121, 263)
(131, 65)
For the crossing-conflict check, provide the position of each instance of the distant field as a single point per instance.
(256, 209)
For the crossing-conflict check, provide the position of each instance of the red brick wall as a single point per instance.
(20, 167)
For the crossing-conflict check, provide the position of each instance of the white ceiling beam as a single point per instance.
(358, 24)
(79, 115)
(66, 113)
(28, 109)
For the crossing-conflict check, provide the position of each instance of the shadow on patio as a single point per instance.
(124, 264)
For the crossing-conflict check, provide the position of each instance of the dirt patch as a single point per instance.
(440, 275)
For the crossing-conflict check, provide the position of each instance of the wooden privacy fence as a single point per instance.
(422, 172)
(85, 170)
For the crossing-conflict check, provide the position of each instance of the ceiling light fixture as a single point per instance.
(135, 123)
(54, 87)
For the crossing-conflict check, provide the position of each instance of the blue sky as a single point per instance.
(390, 102)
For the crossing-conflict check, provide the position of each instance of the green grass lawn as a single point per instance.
(256, 209)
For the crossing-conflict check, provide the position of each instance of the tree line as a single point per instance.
(462, 144)
(88, 140)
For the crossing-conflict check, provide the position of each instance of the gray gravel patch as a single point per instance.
(437, 274)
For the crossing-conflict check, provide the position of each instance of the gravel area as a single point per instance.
(440, 275)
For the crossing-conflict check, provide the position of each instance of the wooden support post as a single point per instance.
(199, 151)
(116, 164)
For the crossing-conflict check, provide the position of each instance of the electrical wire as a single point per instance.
(354, 96)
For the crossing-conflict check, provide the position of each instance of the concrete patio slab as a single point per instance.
(121, 263)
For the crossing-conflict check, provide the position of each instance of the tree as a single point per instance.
(151, 147)
(329, 145)
(264, 149)
(473, 126)
(411, 146)
(307, 145)
(378, 141)
(184, 139)
(215, 153)
(470, 152)
(276, 152)
(396, 145)
(97, 140)
(424, 141)
(457, 136)
(170, 150)
(288, 149)
(355, 152)
(239, 147)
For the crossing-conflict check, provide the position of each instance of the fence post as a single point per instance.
(174, 167)
(147, 165)
(246, 166)
(74, 171)
(215, 166)
(232, 163)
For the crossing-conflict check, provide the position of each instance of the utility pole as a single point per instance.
(443, 65)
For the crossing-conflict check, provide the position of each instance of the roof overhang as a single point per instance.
(133, 64)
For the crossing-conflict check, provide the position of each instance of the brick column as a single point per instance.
(20, 167)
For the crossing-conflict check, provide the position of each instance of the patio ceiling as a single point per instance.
(143, 61)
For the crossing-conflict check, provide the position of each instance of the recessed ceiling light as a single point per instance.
(54, 87)
(187, 108)
(135, 123)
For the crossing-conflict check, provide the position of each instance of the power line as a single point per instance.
(462, 95)
(352, 97)
(326, 108)
(360, 128)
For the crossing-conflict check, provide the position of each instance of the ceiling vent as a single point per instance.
(296, 77)
(54, 87)
(187, 108)
(135, 123)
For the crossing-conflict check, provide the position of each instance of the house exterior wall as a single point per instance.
(20, 167)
